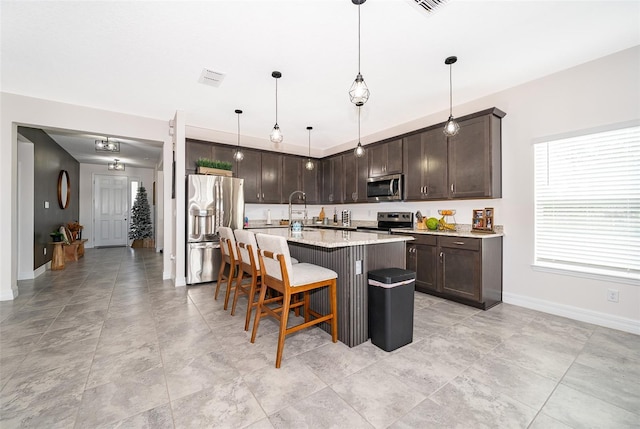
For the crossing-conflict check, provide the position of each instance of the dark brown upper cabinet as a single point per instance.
(356, 172)
(385, 158)
(332, 180)
(467, 165)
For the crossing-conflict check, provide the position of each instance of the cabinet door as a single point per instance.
(291, 166)
(377, 160)
(426, 268)
(350, 166)
(414, 185)
(393, 157)
(470, 159)
(434, 165)
(225, 153)
(362, 164)
(327, 180)
(338, 179)
(310, 183)
(193, 151)
(459, 272)
(271, 186)
(249, 169)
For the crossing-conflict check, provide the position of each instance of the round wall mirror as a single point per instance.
(64, 189)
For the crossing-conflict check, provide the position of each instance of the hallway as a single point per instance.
(107, 343)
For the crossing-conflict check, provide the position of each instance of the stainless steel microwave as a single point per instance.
(386, 188)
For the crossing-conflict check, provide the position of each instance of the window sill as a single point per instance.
(594, 274)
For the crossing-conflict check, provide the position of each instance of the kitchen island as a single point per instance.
(352, 255)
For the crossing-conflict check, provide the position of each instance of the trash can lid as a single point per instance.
(391, 275)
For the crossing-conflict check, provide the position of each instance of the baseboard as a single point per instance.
(9, 295)
(576, 313)
(28, 275)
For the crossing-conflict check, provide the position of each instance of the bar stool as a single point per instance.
(229, 260)
(249, 266)
(290, 279)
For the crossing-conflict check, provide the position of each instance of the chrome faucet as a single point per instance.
(291, 211)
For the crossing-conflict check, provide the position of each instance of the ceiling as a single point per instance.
(145, 59)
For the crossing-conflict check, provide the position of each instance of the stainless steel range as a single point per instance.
(389, 220)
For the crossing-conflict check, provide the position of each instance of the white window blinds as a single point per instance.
(587, 203)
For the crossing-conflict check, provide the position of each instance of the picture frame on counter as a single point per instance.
(482, 220)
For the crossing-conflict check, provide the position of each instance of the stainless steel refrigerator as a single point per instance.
(212, 202)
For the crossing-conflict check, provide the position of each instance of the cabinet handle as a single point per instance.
(452, 189)
(263, 195)
(426, 190)
(442, 257)
(459, 243)
(258, 195)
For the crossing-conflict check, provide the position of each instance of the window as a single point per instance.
(587, 203)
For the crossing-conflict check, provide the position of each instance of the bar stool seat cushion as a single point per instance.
(303, 274)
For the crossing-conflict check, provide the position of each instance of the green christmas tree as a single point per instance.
(140, 216)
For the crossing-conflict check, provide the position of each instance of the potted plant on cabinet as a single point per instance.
(214, 167)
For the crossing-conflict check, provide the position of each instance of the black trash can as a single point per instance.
(391, 307)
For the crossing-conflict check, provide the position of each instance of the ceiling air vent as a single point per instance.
(429, 6)
(211, 78)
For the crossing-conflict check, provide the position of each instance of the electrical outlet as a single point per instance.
(44, 250)
(612, 295)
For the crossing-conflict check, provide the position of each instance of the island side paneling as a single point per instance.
(353, 314)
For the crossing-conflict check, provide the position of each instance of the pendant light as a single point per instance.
(309, 164)
(359, 93)
(238, 155)
(276, 134)
(451, 128)
(359, 150)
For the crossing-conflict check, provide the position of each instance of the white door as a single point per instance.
(111, 210)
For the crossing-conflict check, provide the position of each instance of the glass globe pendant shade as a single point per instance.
(451, 128)
(359, 93)
(359, 151)
(309, 165)
(276, 135)
(238, 155)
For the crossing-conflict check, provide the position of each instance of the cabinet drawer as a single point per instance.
(460, 242)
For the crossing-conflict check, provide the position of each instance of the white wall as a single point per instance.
(87, 171)
(20, 110)
(25, 210)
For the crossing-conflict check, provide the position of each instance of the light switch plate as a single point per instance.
(46, 204)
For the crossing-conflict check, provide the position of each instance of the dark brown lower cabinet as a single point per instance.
(421, 258)
(463, 269)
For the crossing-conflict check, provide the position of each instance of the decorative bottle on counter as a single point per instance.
(335, 215)
(321, 215)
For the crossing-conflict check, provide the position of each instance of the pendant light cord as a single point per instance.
(309, 142)
(359, 107)
(358, 38)
(276, 101)
(238, 130)
(450, 93)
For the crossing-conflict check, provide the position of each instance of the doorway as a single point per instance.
(111, 210)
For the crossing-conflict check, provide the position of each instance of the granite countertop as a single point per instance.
(276, 224)
(462, 230)
(331, 238)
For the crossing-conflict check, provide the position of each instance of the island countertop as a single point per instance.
(329, 238)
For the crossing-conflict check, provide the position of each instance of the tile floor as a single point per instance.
(107, 343)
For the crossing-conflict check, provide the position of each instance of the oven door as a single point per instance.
(387, 188)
